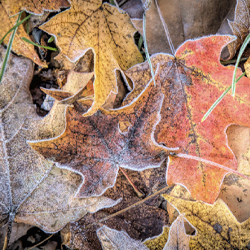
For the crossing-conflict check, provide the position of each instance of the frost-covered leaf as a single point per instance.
(102, 28)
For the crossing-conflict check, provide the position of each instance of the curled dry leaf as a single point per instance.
(115, 240)
(33, 6)
(216, 226)
(32, 190)
(191, 85)
(97, 145)
(19, 46)
(240, 26)
(107, 31)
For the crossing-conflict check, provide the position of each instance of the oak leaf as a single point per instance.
(191, 85)
(97, 145)
(105, 30)
(32, 189)
(216, 226)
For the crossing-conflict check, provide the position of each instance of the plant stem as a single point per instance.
(38, 45)
(140, 194)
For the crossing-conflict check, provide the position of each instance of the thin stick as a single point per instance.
(140, 194)
(38, 244)
(192, 157)
(127, 208)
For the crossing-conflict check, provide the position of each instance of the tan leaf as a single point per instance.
(114, 240)
(19, 46)
(34, 6)
(104, 29)
(216, 226)
(32, 190)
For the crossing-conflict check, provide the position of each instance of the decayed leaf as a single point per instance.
(33, 6)
(140, 222)
(240, 26)
(216, 226)
(186, 19)
(97, 145)
(104, 29)
(19, 46)
(191, 85)
(32, 190)
(115, 240)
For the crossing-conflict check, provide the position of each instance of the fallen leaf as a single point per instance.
(191, 85)
(32, 189)
(185, 19)
(19, 46)
(216, 226)
(33, 6)
(140, 222)
(91, 25)
(96, 146)
(235, 190)
(158, 242)
(240, 26)
(115, 240)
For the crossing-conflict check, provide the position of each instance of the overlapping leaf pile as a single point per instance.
(156, 122)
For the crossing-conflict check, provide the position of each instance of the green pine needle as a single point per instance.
(38, 45)
(6, 58)
(15, 26)
(244, 45)
(219, 99)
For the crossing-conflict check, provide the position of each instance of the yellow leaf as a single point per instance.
(105, 30)
(216, 226)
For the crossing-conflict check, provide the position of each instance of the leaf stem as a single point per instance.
(244, 45)
(192, 157)
(38, 45)
(6, 58)
(219, 99)
(139, 194)
(233, 61)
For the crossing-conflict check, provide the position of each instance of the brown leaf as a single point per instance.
(95, 146)
(240, 26)
(107, 31)
(33, 191)
(140, 222)
(186, 19)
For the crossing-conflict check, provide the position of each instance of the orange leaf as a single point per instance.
(191, 82)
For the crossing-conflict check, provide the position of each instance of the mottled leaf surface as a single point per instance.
(97, 145)
(191, 85)
(105, 30)
(216, 226)
(32, 189)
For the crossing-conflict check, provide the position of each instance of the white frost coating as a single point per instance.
(112, 239)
